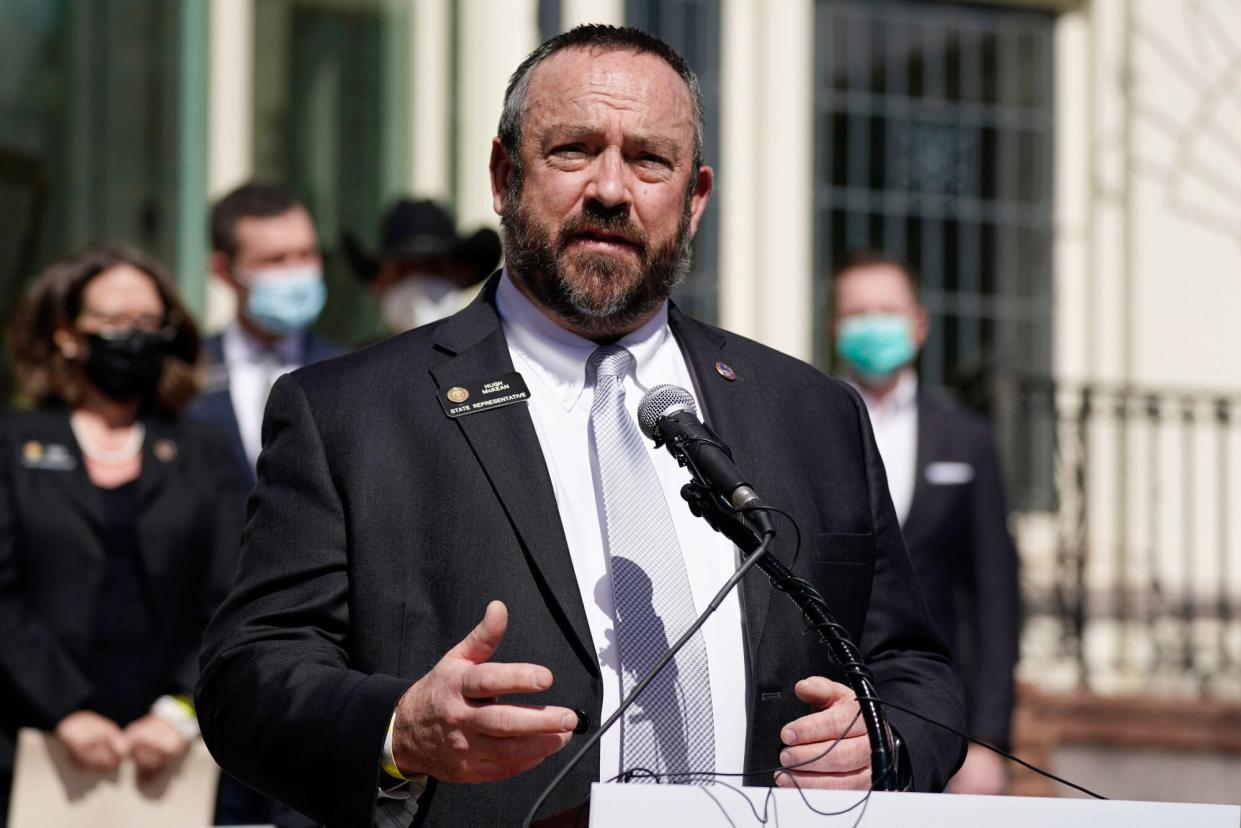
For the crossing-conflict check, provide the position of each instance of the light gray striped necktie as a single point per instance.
(670, 729)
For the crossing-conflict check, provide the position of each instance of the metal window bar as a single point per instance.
(934, 142)
(1142, 584)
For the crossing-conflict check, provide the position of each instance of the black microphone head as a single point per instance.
(660, 401)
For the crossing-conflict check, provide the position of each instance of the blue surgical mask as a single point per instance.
(876, 345)
(286, 300)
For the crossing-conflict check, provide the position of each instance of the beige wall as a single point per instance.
(1148, 275)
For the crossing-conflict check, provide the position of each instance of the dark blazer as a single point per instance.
(214, 404)
(965, 559)
(188, 517)
(380, 528)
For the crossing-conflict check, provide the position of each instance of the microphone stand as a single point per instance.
(739, 529)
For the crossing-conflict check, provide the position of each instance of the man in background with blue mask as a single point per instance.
(944, 477)
(265, 248)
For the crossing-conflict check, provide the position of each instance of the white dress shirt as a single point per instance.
(894, 419)
(252, 370)
(553, 363)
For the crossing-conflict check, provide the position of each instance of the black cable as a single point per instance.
(989, 747)
(742, 570)
(793, 523)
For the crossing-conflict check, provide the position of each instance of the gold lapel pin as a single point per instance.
(457, 394)
(32, 451)
(726, 371)
(164, 450)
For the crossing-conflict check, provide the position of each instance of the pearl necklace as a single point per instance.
(119, 456)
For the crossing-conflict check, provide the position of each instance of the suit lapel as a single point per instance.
(506, 446)
(215, 402)
(923, 453)
(218, 409)
(159, 450)
(80, 492)
(732, 410)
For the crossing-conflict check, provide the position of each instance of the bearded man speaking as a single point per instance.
(461, 553)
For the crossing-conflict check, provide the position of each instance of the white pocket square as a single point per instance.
(949, 474)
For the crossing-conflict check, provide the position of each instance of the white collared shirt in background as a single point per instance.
(553, 363)
(894, 419)
(252, 370)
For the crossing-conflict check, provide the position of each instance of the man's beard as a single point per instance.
(607, 296)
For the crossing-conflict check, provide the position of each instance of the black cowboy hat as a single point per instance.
(421, 229)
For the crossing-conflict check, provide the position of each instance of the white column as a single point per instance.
(576, 12)
(1073, 314)
(767, 154)
(430, 105)
(1110, 217)
(496, 36)
(739, 166)
(230, 103)
(230, 123)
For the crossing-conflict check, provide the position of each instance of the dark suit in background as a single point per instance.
(214, 404)
(964, 556)
(380, 528)
(54, 536)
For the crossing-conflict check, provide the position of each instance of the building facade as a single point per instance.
(1065, 175)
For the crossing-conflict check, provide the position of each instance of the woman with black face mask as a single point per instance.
(119, 522)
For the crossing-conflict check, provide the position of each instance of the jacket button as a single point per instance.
(583, 721)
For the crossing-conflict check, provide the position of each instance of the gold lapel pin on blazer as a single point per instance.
(33, 451)
(165, 450)
(726, 371)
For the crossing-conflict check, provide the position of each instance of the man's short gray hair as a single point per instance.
(594, 36)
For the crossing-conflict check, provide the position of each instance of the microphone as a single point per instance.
(668, 415)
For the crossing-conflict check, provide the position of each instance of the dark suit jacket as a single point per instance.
(964, 557)
(214, 404)
(380, 528)
(52, 558)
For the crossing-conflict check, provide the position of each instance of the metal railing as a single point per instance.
(1130, 550)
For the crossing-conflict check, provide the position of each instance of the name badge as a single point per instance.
(473, 397)
(47, 456)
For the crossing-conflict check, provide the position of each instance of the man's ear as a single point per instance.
(704, 181)
(501, 175)
(221, 266)
(922, 326)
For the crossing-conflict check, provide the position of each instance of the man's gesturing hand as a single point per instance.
(848, 764)
(449, 724)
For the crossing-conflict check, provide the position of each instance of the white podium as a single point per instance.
(673, 806)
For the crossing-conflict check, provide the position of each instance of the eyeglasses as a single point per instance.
(119, 326)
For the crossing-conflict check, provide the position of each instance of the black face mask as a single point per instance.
(125, 368)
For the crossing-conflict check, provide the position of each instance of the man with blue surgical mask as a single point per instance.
(265, 248)
(944, 477)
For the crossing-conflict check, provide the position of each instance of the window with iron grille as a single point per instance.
(933, 142)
